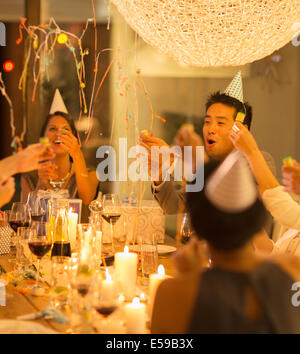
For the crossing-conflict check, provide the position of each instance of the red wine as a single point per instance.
(14, 224)
(113, 218)
(36, 217)
(61, 248)
(39, 248)
(82, 289)
(105, 310)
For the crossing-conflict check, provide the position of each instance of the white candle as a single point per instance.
(126, 268)
(107, 287)
(135, 317)
(73, 220)
(154, 280)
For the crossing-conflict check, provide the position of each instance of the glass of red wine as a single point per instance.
(40, 243)
(19, 216)
(37, 206)
(111, 213)
(105, 300)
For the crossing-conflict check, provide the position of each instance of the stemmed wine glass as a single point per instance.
(105, 299)
(37, 206)
(19, 216)
(185, 229)
(111, 212)
(40, 242)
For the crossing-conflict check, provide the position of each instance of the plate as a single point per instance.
(161, 249)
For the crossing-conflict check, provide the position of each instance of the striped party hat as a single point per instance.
(232, 187)
(235, 88)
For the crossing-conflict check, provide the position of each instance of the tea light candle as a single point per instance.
(154, 280)
(135, 317)
(107, 287)
(126, 269)
(73, 220)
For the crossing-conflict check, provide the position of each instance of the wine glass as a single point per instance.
(40, 243)
(185, 229)
(111, 213)
(105, 299)
(81, 276)
(37, 206)
(19, 216)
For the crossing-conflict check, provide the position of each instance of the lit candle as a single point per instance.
(107, 287)
(126, 268)
(135, 317)
(83, 255)
(72, 219)
(154, 280)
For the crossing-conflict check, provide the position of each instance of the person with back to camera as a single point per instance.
(242, 291)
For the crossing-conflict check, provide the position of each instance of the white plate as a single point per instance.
(161, 249)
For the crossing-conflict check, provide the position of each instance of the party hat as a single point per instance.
(58, 104)
(232, 187)
(235, 88)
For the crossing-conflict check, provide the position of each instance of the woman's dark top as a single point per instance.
(220, 304)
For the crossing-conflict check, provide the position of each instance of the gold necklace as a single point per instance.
(58, 184)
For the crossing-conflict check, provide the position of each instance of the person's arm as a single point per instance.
(262, 242)
(86, 181)
(25, 160)
(172, 201)
(282, 206)
(243, 140)
(7, 190)
(173, 305)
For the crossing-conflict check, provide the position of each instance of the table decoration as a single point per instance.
(126, 272)
(213, 33)
(135, 317)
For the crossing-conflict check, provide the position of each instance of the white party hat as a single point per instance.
(58, 104)
(235, 88)
(232, 188)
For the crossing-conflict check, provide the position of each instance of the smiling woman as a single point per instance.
(68, 169)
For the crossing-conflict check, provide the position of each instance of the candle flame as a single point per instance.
(161, 270)
(136, 301)
(126, 249)
(70, 212)
(108, 276)
(83, 254)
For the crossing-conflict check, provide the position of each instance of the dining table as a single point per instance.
(18, 303)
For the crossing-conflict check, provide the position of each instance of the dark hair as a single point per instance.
(62, 114)
(223, 230)
(218, 97)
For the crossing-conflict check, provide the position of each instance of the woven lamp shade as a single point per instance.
(213, 32)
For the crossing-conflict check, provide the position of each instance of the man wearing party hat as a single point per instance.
(222, 110)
